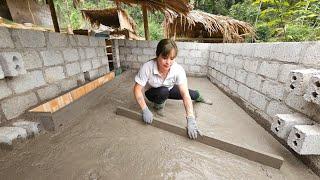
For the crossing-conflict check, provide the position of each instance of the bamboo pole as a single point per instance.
(145, 22)
(54, 16)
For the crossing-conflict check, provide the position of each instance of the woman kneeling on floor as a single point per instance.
(165, 79)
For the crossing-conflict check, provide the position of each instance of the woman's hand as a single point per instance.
(192, 127)
(147, 115)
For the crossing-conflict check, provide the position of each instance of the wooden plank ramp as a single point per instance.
(264, 158)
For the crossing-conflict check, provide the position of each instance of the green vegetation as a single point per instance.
(281, 20)
(68, 14)
(155, 20)
(274, 20)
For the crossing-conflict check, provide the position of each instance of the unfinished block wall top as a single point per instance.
(313, 91)
(283, 123)
(305, 139)
(299, 79)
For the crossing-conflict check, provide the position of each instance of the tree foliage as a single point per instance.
(155, 20)
(274, 20)
(284, 20)
(69, 15)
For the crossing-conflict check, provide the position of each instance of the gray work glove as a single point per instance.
(147, 115)
(192, 127)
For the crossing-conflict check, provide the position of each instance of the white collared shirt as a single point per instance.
(149, 73)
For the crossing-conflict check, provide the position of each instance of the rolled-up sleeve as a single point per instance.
(142, 76)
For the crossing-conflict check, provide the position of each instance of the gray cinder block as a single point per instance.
(12, 64)
(85, 66)
(299, 79)
(73, 69)
(313, 91)
(32, 128)
(16, 105)
(9, 134)
(5, 36)
(54, 74)
(90, 52)
(51, 57)
(1, 73)
(305, 139)
(283, 123)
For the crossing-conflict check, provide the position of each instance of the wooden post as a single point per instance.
(118, 5)
(54, 16)
(145, 22)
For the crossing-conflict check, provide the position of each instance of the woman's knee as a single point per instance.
(155, 94)
(163, 92)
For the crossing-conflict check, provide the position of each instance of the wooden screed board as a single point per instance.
(236, 149)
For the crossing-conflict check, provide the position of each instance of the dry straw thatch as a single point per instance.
(165, 6)
(207, 27)
(168, 7)
(109, 17)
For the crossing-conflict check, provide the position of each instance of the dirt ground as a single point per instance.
(98, 144)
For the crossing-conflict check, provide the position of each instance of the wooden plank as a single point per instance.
(199, 39)
(245, 152)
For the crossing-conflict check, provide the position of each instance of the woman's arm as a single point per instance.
(184, 91)
(191, 120)
(146, 113)
(137, 90)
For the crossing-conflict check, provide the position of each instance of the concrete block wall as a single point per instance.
(193, 57)
(262, 72)
(254, 75)
(55, 63)
(261, 75)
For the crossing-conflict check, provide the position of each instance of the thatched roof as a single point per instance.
(198, 24)
(112, 17)
(166, 6)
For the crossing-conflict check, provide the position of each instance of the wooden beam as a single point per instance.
(199, 39)
(145, 22)
(236, 149)
(53, 16)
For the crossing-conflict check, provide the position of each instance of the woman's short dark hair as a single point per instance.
(165, 46)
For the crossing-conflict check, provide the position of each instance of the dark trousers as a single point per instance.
(161, 94)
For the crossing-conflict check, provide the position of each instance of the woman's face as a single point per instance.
(165, 62)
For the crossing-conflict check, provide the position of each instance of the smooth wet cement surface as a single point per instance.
(101, 145)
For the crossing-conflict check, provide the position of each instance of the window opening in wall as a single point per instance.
(109, 54)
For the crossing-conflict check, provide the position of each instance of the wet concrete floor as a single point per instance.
(97, 144)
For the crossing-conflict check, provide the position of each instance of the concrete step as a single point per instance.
(9, 135)
(32, 128)
(20, 131)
